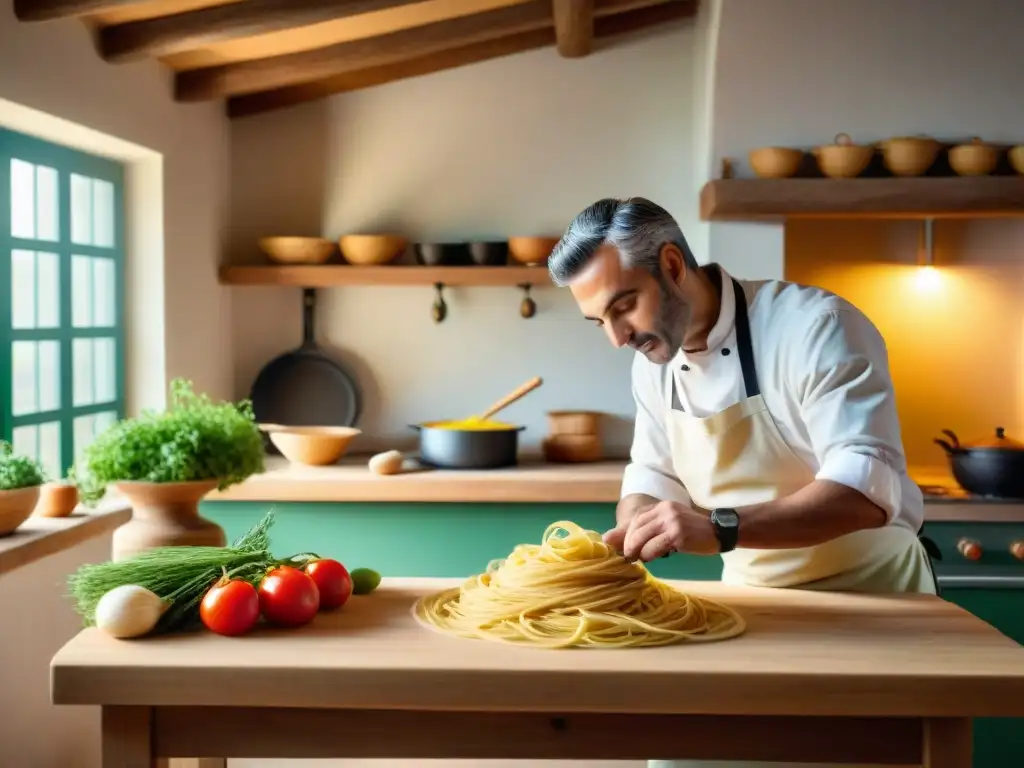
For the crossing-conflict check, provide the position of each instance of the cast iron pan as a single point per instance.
(305, 388)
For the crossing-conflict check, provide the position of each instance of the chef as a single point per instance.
(766, 428)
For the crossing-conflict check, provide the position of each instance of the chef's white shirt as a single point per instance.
(823, 371)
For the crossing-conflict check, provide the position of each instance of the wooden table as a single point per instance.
(817, 677)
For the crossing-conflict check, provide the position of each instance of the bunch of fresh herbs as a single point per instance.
(179, 575)
(18, 471)
(194, 439)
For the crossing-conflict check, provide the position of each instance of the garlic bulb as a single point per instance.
(387, 463)
(129, 611)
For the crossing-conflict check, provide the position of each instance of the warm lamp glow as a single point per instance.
(927, 279)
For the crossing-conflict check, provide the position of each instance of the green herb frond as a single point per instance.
(18, 471)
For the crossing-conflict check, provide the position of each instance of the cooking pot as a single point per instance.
(989, 467)
(444, 446)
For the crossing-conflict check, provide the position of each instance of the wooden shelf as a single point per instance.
(330, 275)
(878, 198)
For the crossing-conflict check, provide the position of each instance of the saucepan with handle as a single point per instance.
(991, 466)
(478, 442)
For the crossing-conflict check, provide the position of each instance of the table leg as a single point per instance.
(947, 742)
(127, 740)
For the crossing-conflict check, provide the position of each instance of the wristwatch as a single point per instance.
(727, 528)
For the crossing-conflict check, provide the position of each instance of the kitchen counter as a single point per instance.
(532, 482)
(38, 537)
(811, 675)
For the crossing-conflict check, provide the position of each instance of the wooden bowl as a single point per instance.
(56, 500)
(1016, 157)
(775, 162)
(974, 159)
(571, 448)
(312, 446)
(16, 507)
(368, 250)
(531, 251)
(297, 250)
(909, 155)
(574, 422)
(843, 159)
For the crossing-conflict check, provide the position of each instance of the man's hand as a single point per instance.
(663, 528)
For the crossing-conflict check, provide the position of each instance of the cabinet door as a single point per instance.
(998, 742)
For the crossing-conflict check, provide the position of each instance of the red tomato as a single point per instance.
(230, 607)
(332, 580)
(288, 597)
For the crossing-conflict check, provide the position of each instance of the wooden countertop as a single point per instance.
(350, 480)
(38, 537)
(533, 481)
(803, 653)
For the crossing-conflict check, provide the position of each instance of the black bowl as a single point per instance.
(443, 254)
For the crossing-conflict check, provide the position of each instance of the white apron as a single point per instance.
(738, 457)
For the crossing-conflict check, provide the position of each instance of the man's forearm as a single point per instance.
(632, 505)
(818, 512)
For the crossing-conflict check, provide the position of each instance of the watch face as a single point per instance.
(727, 518)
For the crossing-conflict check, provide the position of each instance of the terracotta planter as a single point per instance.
(15, 507)
(165, 515)
(57, 499)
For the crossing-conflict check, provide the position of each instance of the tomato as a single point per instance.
(333, 581)
(288, 597)
(230, 607)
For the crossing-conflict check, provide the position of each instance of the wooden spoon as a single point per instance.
(510, 398)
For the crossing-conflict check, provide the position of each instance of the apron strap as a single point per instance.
(745, 348)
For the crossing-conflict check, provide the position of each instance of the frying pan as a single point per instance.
(304, 387)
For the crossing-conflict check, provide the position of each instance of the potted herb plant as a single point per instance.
(20, 478)
(165, 462)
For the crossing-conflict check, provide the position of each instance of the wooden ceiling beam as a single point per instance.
(48, 10)
(240, 78)
(574, 27)
(642, 15)
(165, 35)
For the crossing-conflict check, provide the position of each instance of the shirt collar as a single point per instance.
(723, 327)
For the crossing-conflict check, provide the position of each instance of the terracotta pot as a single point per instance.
(15, 507)
(57, 499)
(165, 515)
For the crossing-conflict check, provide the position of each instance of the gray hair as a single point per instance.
(637, 227)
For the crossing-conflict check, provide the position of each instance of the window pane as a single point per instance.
(46, 204)
(81, 291)
(25, 441)
(83, 432)
(102, 213)
(81, 210)
(23, 289)
(103, 366)
(23, 360)
(49, 449)
(81, 353)
(48, 291)
(49, 375)
(103, 303)
(23, 195)
(104, 421)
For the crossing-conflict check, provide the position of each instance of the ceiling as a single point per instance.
(260, 55)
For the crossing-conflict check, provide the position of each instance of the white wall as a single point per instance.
(53, 68)
(517, 145)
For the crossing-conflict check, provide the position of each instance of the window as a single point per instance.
(61, 298)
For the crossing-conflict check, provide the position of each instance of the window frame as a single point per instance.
(65, 161)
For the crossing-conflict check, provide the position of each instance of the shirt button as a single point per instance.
(725, 351)
(685, 367)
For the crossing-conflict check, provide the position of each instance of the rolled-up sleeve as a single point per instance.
(650, 470)
(848, 406)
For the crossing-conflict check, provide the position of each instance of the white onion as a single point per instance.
(129, 611)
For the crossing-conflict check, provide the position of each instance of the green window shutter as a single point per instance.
(62, 376)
